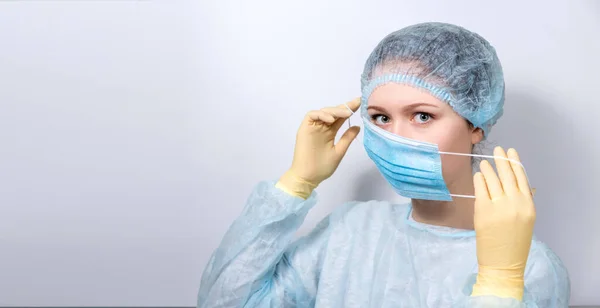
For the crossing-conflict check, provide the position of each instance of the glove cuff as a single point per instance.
(511, 286)
(295, 186)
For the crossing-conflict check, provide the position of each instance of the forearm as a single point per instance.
(252, 247)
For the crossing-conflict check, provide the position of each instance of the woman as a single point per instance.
(430, 93)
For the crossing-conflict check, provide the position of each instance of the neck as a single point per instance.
(457, 213)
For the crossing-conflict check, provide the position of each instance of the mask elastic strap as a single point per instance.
(350, 124)
(463, 196)
(352, 113)
(488, 156)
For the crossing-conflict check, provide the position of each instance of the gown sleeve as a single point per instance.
(257, 265)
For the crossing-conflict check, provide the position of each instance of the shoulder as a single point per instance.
(546, 277)
(543, 260)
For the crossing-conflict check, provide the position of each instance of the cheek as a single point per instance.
(453, 165)
(450, 136)
(456, 140)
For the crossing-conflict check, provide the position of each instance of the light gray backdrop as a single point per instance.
(132, 131)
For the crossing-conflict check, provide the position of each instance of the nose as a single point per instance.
(401, 129)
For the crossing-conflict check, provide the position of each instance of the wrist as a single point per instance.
(499, 283)
(295, 186)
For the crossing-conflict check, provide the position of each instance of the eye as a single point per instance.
(380, 119)
(422, 117)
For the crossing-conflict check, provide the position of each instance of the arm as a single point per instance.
(514, 271)
(251, 267)
(547, 284)
(255, 265)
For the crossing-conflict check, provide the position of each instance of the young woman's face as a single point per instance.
(414, 113)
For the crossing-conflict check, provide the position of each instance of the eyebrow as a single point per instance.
(411, 106)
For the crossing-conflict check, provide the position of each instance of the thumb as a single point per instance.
(342, 146)
(481, 191)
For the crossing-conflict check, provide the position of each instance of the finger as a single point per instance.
(493, 183)
(353, 104)
(338, 123)
(533, 192)
(481, 190)
(320, 116)
(342, 146)
(505, 172)
(338, 112)
(519, 172)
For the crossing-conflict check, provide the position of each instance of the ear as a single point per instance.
(476, 135)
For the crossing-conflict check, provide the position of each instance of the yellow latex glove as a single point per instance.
(316, 156)
(504, 219)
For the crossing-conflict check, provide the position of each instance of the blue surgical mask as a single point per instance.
(412, 167)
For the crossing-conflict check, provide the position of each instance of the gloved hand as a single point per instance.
(504, 219)
(316, 156)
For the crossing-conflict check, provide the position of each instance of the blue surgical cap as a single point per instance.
(452, 63)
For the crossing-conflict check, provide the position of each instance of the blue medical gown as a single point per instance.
(364, 254)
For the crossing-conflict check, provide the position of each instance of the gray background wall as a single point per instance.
(132, 131)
